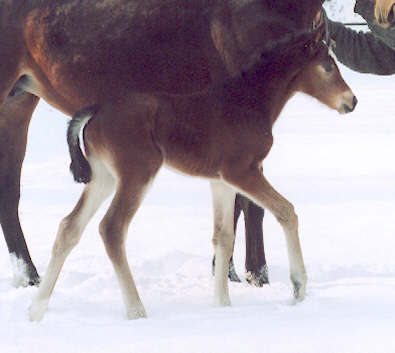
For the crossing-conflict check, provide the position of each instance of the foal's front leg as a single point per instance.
(253, 184)
(223, 239)
(113, 229)
(233, 277)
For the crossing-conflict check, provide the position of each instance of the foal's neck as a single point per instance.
(265, 89)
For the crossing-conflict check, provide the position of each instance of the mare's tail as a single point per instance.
(79, 166)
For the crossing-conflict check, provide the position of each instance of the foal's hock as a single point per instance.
(128, 140)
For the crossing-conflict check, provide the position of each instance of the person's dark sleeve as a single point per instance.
(360, 51)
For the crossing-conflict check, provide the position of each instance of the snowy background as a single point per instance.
(339, 172)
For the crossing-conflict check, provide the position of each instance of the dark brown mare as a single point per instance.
(222, 134)
(73, 53)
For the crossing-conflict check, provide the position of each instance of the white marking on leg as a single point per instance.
(223, 239)
(20, 276)
(69, 234)
(263, 194)
(113, 229)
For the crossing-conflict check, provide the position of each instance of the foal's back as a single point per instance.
(195, 134)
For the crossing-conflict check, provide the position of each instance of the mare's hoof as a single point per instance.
(34, 279)
(35, 282)
(233, 277)
(24, 274)
(258, 278)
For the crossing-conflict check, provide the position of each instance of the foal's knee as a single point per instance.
(224, 240)
(69, 234)
(112, 235)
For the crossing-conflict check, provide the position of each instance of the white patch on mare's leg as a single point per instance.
(20, 276)
(258, 278)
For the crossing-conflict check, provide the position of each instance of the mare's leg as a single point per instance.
(232, 271)
(9, 67)
(131, 189)
(252, 183)
(15, 117)
(69, 234)
(256, 268)
(223, 239)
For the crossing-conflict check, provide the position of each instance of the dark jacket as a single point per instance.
(370, 52)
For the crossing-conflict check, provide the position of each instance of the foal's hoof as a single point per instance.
(299, 288)
(258, 278)
(222, 301)
(37, 310)
(136, 313)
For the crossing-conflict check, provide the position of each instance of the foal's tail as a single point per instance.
(79, 166)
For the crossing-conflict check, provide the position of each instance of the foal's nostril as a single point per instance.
(349, 109)
(354, 102)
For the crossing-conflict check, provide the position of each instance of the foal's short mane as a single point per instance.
(299, 12)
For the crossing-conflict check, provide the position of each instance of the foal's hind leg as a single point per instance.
(131, 189)
(223, 239)
(253, 184)
(69, 234)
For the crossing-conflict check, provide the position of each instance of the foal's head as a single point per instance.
(320, 77)
(302, 62)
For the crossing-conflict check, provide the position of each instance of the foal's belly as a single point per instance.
(188, 167)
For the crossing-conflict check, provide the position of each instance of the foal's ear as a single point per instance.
(319, 33)
(316, 36)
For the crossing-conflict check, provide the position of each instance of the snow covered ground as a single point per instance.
(339, 172)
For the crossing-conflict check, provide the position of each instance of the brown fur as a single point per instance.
(73, 53)
(133, 136)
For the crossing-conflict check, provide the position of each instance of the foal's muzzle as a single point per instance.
(350, 108)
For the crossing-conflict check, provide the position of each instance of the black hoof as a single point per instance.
(259, 277)
(34, 281)
(34, 278)
(232, 272)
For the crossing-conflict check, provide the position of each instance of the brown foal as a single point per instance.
(127, 140)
